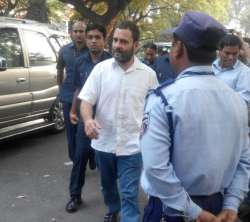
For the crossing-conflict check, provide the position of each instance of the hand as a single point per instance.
(73, 117)
(92, 128)
(227, 215)
(205, 216)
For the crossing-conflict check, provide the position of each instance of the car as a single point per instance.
(28, 85)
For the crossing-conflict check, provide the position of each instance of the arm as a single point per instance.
(237, 189)
(59, 77)
(73, 111)
(89, 95)
(92, 127)
(243, 84)
(60, 68)
(77, 84)
(159, 178)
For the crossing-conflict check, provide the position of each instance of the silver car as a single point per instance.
(28, 87)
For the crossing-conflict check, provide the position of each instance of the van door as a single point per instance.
(42, 69)
(15, 98)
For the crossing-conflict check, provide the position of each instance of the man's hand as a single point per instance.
(73, 117)
(227, 216)
(92, 128)
(205, 216)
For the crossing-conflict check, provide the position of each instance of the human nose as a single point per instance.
(230, 56)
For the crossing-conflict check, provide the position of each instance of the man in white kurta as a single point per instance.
(117, 88)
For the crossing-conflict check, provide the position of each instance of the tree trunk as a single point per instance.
(37, 10)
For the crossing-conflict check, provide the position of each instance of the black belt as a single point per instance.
(198, 199)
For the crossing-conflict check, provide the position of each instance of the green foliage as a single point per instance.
(56, 10)
(151, 15)
(154, 16)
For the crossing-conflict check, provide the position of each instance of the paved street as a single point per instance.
(34, 182)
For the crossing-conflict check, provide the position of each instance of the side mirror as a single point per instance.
(3, 65)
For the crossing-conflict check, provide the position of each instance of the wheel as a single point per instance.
(56, 117)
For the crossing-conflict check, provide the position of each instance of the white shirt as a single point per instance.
(119, 98)
(237, 77)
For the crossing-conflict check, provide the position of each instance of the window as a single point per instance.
(58, 41)
(10, 47)
(39, 49)
(55, 43)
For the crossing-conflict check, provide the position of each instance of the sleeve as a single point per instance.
(60, 62)
(91, 89)
(238, 188)
(243, 84)
(153, 80)
(76, 75)
(159, 178)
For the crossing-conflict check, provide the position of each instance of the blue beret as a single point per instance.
(199, 30)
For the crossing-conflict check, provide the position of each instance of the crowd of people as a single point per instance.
(177, 124)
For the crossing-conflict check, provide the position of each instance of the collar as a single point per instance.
(104, 55)
(216, 64)
(72, 45)
(166, 57)
(137, 64)
(195, 69)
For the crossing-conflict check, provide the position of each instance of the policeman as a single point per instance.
(194, 140)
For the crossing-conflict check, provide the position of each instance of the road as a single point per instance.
(34, 174)
(34, 182)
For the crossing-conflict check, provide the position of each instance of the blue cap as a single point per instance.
(199, 30)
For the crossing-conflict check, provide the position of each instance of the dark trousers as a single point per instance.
(82, 154)
(70, 130)
(153, 210)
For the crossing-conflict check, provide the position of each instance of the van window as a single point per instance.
(55, 43)
(10, 47)
(39, 49)
(58, 41)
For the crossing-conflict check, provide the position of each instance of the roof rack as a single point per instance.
(23, 21)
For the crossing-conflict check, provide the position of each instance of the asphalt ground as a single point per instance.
(34, 176)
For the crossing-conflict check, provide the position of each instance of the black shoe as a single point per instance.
(110, 218)
(92, 163)
(244, 212)
(73, 205)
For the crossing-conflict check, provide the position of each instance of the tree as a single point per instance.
(37, 10)
(240, 14)
(99, 11)
(12, 7)
(155, 15)
(30, 9)
(151, 15)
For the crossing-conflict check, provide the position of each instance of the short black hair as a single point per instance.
(150, 45)
(199, 55)
(132, 27)
(96, 26)
(230, 40)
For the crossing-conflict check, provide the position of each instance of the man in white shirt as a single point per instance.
(230, 69)
(117, 88)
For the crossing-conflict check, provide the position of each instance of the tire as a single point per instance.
(56, 117)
